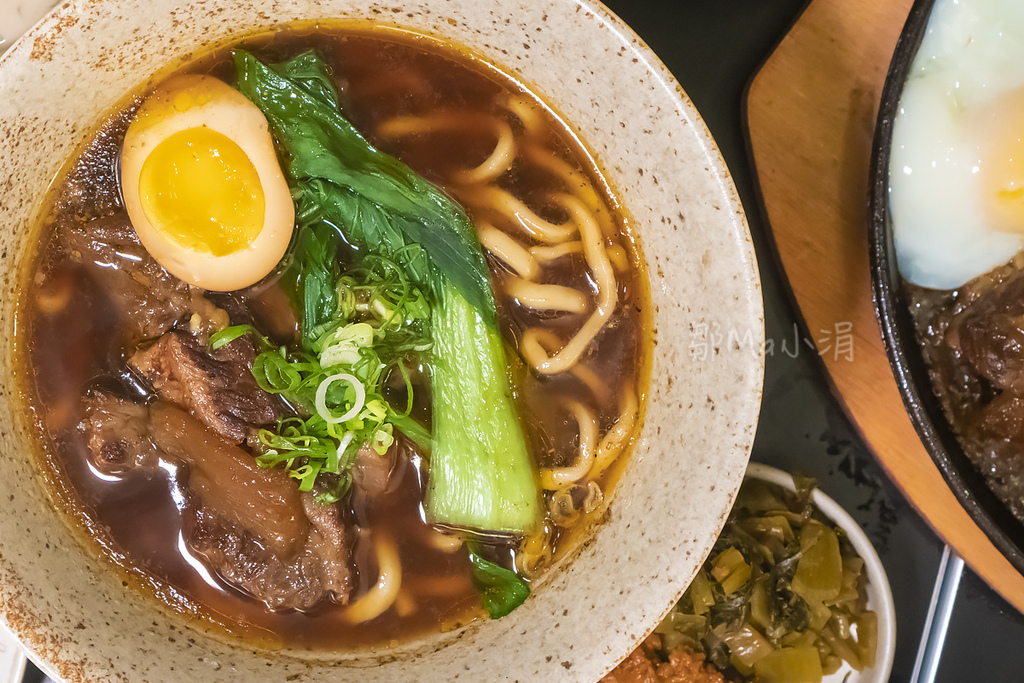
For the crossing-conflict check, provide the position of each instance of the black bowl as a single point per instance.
(892, 309)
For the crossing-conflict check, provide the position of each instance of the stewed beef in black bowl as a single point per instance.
(947, 232)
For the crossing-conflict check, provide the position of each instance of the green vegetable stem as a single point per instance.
(501, 590)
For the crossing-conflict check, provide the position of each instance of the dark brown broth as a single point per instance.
(136, 520)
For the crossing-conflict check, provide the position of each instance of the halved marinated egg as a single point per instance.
(202, 184)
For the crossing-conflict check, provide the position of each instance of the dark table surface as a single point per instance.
(714, 47)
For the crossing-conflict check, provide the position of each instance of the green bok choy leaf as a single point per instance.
(481, 476)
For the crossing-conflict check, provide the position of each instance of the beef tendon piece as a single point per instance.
(372, 471)
(272, 309)
(218, 387)
(118, 434)
(149, 299)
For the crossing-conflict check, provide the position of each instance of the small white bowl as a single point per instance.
(879, 592)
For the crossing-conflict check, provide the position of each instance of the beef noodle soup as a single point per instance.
(334, 436)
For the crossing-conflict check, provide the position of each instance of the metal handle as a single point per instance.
(951, 568)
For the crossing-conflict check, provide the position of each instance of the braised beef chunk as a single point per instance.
(319, 572)
(118, 434)
(973, 342)
(991, 338)
(251, 525)
(150, 300)
(218, 387)
(228, 482)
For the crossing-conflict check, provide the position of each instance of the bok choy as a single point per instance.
(346, 190)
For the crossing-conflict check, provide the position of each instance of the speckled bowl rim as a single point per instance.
(708, 246)
(879, 591)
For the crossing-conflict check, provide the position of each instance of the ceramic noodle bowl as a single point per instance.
(74, 611)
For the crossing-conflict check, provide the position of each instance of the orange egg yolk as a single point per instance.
(202, 191)
(1001, 166)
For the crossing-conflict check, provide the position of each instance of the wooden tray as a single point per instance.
(811, 113)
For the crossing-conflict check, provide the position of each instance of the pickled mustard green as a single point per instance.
(782, 597)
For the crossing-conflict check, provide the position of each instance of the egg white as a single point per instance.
(970, 56)
(193, 101)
